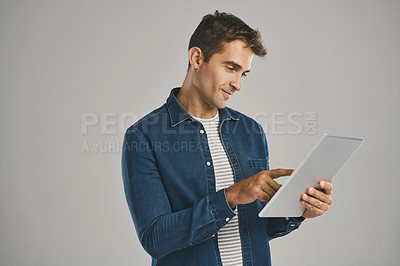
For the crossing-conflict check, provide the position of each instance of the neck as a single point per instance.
(190, 98)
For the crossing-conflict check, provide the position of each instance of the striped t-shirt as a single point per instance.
(229, 244)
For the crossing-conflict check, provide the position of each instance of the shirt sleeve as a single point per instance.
(161, 230)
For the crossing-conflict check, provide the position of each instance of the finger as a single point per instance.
(263, 192)
(326, 186)
(275, 173)
(272, 183)
(315, 211)
(315, 202)
(267, 189)
(320, 195)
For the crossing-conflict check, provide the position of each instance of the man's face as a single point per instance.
(221, 76)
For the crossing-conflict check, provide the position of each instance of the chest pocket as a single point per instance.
(259, 164)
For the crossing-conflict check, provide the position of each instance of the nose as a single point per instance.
(236, 83)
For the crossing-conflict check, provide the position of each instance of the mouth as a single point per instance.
(226, 94)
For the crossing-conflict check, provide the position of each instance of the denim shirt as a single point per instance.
(169, 186)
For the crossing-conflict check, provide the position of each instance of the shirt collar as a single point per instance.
(178, 114)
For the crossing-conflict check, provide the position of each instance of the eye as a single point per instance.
(244, 75)
(230, 68)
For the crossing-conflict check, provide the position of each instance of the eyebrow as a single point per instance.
(236, 65)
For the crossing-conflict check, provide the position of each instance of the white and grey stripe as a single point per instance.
(229, 244)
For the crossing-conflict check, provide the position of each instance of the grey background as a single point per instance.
(61, 205)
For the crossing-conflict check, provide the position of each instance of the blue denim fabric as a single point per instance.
(170, 187)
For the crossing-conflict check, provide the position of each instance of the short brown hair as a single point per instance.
(217, 29)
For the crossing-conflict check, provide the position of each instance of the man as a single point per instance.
(196, 173)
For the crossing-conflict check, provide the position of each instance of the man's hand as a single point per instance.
(317, 202)
(261, 186)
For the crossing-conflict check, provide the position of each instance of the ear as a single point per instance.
(196, 57)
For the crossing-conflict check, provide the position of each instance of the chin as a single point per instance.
(222, 105)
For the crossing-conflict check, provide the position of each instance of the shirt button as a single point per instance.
(208, 163)
(292, 225)
(227, 219)
(201, 131)
(213, 235)
(287, 218)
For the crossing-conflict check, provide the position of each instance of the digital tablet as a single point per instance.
(323, 162)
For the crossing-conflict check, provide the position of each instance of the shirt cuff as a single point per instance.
(220, 207)
(297, 219)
